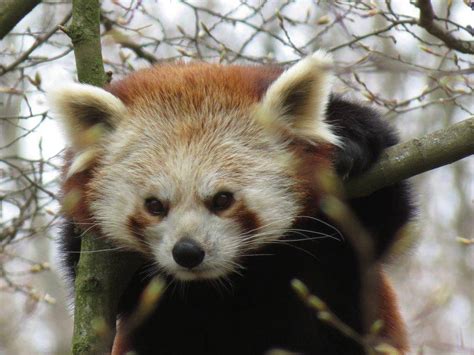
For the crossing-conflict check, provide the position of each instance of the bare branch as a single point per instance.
(374, 33)
(426, 20)
(39, 41)
(126, 42)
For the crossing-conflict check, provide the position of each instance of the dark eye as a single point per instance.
(155, 207)
(222, 201)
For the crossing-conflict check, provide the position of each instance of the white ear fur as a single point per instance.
(86, 112)
(297, 100)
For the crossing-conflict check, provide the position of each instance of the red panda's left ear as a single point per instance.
(297, 100)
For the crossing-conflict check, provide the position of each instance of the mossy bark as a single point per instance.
(85, 35)
(101, 275)
(101, 279)
(12, 11)
(416, 156)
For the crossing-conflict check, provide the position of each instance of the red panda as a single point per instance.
(208, 171)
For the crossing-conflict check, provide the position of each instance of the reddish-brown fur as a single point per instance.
(314, 162)
(247, 219)
(235, 86)
(137, 223)
(393, 326)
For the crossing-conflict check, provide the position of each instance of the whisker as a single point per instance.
(95, 251)
(325, 223)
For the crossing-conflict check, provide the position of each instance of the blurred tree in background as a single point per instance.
(411, 60)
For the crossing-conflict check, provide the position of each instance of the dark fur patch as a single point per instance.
(136, 224)
(247, 219)
(363, 133)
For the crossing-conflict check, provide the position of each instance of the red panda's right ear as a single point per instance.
(87, 113)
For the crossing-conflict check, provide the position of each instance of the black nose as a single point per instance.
(188, 253)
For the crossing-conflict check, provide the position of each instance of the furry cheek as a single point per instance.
(268, 213)
(243, 224)
(140, 226)
(116, 214)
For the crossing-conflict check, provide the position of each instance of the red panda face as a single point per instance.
(225, 188)
(192, 166)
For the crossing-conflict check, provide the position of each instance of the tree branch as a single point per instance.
(39, 41)
(126, 42)
(426, 20)
(101, 278)
(12, 11)
(85, 35)
(416, 156)
(102, 274)
(139, 51)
